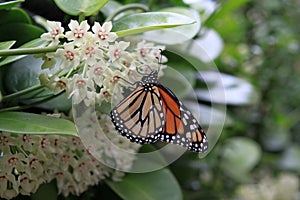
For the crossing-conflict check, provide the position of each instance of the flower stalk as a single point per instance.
(139, 6)
(27, 51)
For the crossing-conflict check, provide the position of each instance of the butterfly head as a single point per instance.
(150, 78)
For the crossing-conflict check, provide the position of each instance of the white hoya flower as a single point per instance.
(117, 50)
(102, 33)
(96, 72)
(80, 88)
(90, 52)
(78, 32)
(70, 56)
(56, 31)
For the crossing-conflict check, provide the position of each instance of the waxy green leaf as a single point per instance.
(142, 22)
(29, 123)
(78, 7)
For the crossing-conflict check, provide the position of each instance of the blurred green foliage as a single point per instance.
(262, 46)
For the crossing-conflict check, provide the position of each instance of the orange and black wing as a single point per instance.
(140, 117)
(181, 127)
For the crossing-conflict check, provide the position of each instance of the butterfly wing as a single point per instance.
(181, 127)
(139, 117)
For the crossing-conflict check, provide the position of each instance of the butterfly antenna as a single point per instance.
(142, 73)
(160, 60)
(126, 81)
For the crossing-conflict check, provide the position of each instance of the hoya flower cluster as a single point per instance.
(91, 66)
(27, 161)
(92, 61)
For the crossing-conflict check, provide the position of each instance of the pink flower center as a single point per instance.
(43, 142)
(3, 140)
(56, 142)
(102, 34)
(75, 141)
(2, 179)
(61, 84)
(69, 55)
(105, 93)
(54, 33)
(98, 71)
(78, 33)
(80, 83)
(126, 63)
(115, 79)
(59, 174)
(33, 163)
(13, 161)
(90, 51)
(65, 158)
(143, 52)
(24, 181)
(117, 53)
(26, 138)
(82, 165)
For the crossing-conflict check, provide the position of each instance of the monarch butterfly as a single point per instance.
(152, 112)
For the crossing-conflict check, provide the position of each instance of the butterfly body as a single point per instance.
(152, 112)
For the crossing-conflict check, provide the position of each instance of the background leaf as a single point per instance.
(239, 156)
(226, 89)
(155, 185)
(14, 15)
(78, 7)
(142, 22)
(23, 74)
(177, 34)
(10, 4)
(29, 123)
(110, 8)
(6, 45)
(12, 32)
(225, 8)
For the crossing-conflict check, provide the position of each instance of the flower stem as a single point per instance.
(84, 69)
(127, 7)
(81, 18)
(70, 72)
(22, 92)
(30, 105)
(24, 51)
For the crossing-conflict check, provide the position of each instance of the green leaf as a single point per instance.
(178, 34)
(60, 102)
(226, 7)
(29, 123)
(209, 115)
(34, 43)
(10, 4)
(78, 7)
(21, 32)
(180, 82)
(47, 191)
(22, 74)
(110, 8)
(14, 15)
(206, 47)
(6, 45)
(238, 91)
(290, 159)
(142, 22)
(155, 185)
(239, 156)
